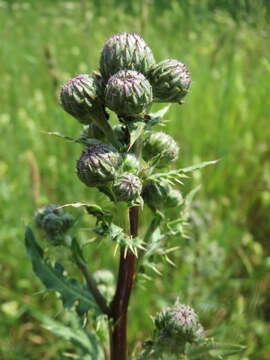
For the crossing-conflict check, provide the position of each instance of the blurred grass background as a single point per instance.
(223, 271)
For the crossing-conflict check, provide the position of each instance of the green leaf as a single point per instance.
(83, 340)
(156, 117)
(93, 209)
(53, 277)
(136, 129)
(83, 141)
(198, 166)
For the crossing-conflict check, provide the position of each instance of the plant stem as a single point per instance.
(119, 305)
(92, 286)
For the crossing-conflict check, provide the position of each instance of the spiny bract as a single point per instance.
(127, 187)
(125, 51)
(161, 145)
(98, 164)
(170, 80)
(83, 97)
(128, 93)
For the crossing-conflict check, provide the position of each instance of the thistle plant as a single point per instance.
(130, 163)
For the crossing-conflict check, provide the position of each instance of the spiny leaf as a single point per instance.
(136, 129)
(156, 117)
(83, 141)
(71, 291)
(199, 166)
(74, 333)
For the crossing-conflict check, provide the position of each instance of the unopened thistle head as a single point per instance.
(98, 165)
(125, 51)
(54, 222)
(176, 326)
(162, 147)
(127, 187)
(83, 97)
(130, 163)
(170, 80)
(128, 93)
(160, 195)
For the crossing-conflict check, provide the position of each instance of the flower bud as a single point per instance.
(175, 327)
(130, 163)
(98, 164)
(170, 80)
(128, 93)
(162, 145)
(125, 51)
(127, 187)
(160, 195)
(83, 98)
(54, 222)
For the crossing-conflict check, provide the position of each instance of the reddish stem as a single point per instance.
(119, 305)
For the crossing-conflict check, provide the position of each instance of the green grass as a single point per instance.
(223, 270)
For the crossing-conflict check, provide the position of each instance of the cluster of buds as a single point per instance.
(128, 82)
(175, 327)
(54, 222)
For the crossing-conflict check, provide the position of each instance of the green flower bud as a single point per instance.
(175, 327)
(128, 93)
(54, 222)
(130, 163)
(162, 145)
(83, 98)
(125, 51)
(170, 80)
(160, 195)
(98, 164)
(127, 187)
(45, 210)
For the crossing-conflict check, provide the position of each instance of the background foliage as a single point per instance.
(223, 269)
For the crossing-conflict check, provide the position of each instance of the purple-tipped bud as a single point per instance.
(98, 165)
(170, 80)
(125, 51)
(128, 93)
(83, 97)
(175, 327)
(162, 145)
(127, 187)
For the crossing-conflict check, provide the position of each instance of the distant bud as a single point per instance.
(104, 277)
(170, 80)
(125, 51)
(83, 97)
(130, 163)
(175, 327)
(160, 195)
(162, 145)
(127, 187)
(98, 164)
(54, 222)
(128, 93)
(45, 210)
(105, 282)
